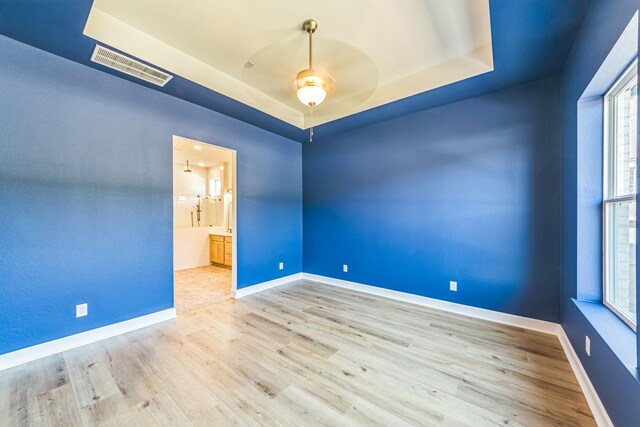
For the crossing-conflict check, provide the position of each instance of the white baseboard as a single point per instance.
(595, 404)
(18, 357)
(243, 292)
(452, 307)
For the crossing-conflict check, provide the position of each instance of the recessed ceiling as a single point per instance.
(377, 51)
(530, 41)
(206, 156)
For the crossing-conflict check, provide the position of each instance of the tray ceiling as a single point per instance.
(376, 51)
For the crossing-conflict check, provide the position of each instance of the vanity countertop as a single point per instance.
(220, 233)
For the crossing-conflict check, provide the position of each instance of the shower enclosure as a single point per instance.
(197, 210)
(199, 198)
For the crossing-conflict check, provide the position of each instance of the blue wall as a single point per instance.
(612, 365)
(469, 192)
(86, 196)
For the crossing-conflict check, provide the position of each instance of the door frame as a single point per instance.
(234, 206)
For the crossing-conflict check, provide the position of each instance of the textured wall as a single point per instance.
(86, 191)
(612, 364)
(469, 191)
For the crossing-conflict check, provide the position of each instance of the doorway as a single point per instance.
(204, 224)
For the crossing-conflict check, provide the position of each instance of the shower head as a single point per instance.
(186, 169)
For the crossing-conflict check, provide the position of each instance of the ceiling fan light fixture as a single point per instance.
(312, 84)
(312, 87)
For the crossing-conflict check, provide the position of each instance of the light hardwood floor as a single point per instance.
(301, 355)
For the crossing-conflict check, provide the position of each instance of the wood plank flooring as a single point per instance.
(304, 354)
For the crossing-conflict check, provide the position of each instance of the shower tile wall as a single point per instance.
(187, 186)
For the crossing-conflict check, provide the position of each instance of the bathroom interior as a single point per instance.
(203, 221)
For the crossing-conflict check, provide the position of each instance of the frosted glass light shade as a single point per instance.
(311, 95)
(313, 85)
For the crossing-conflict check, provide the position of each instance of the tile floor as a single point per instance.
(201, 286)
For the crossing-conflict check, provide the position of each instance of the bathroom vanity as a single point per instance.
(220, 252)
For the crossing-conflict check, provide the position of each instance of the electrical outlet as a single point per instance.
(453, 286)
(281, 266)
(82, 310)
(345, 268)
(587, 345)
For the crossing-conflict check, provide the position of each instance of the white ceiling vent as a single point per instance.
(117, 61)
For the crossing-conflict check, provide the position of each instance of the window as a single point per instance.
(619, 207)
(215, 187)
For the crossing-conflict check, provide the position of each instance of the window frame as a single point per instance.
(609, 179)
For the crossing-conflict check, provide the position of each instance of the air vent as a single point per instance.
(117, 61)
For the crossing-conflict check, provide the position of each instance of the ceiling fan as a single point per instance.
(313, 84)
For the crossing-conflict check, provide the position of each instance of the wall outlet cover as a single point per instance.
(82, 310)
(345, 268)
(587, 345)
(281, 266)
(453, 286)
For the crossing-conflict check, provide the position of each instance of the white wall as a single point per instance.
(190, 247)
(191, 244)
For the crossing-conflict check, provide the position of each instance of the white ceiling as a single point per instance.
(377, 51)
(207, 156)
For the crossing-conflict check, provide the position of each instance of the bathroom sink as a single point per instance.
(214, 232)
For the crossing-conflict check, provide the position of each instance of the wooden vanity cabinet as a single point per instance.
(220, 250)
(227, 250)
